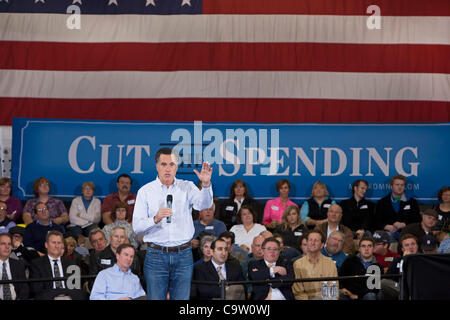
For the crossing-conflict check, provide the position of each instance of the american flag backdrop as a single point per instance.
(225, 60)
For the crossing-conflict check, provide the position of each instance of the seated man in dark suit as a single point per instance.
(271, 267)
(54, 265)
(11, 269)
(218, 269)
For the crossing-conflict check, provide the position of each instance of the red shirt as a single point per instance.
(386, 260)
(113, 198)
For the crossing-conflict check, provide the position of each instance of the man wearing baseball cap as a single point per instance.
(381, 251)
(429, 244)
(420, 229)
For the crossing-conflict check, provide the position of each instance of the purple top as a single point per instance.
(55, 206)
(14, 204)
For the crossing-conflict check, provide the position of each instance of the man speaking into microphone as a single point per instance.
(163, 214)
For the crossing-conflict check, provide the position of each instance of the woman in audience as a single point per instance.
(314, 210)
(246, 229)
(70, 253)
(41, 189)
(85, 212)
(119, 215)
(443, 209)
(291, 227)
(205, 248)
(238, 197)
(274, 208)
(14, 211)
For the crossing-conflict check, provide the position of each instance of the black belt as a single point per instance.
(169, 249)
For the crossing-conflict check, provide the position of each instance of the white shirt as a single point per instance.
(53, 270)
(153, 196)
(276, 293)
(8, 273)
(238, 203)
(223, 271)
(244, 237)
(330, 231)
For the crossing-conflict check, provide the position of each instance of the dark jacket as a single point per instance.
(357, 215)
(317, 212)
(207, 272)
(42, 268)
(17, 268)
(258, 270)
(228, 211)
(291, 237)
(35, 233)
(352, 266)
(385, 214)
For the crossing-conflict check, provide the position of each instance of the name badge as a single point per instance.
(80, 208)
(326, 205)
(275, 208)
(2, 227)
(229, 208)
(298, 234)
(364, 207)
(105, 262)
(209, 228)
(389, 259)
(131, 201)
(18, 254)
(407, 207)
(439, 217)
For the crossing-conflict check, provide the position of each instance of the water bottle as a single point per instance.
(333, 291)
(324, 290)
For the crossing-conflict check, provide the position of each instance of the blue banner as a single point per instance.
(70, 152)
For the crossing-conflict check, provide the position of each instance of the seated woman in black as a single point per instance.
(238, 197)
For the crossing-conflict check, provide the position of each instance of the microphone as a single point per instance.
(169, 205)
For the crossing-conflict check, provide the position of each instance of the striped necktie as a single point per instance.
(269, 295)
(219, 272)
(58, 284)
(6, 289)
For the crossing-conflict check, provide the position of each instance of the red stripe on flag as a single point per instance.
(235, 110)
(328, 7)
(225, 57)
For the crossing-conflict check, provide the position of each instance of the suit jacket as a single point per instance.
(348, 241)
(42, 268)
(17, 268)
(258, 270)
(207, 272)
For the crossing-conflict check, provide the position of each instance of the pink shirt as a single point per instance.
(274, 210)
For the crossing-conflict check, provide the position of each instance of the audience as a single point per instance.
(312, 265)
(247, 228)
(123, 194)
(395, 211)
(251, 251)
(333, 223)
(273, 211)
(271, 266)
(11, 269)
(291, 227)
(56, 208)
(36, 232)
(5, 222)
(357, 211)
(84, 213)
(119, 216)
(333, 248)
(314, 210)
(118, 282)
(14, 205)
(238, 197)
(356, 265)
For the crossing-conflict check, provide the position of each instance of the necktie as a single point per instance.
(219, 272)
(269, 296)
(6, 289)
(58, 284)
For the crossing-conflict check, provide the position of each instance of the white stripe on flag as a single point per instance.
(225, 84)
(224, 28)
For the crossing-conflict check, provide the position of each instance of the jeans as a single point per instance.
(168, 272)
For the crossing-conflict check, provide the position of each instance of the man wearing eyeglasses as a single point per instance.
(5, 222)
(36, 232)
(271, 267)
